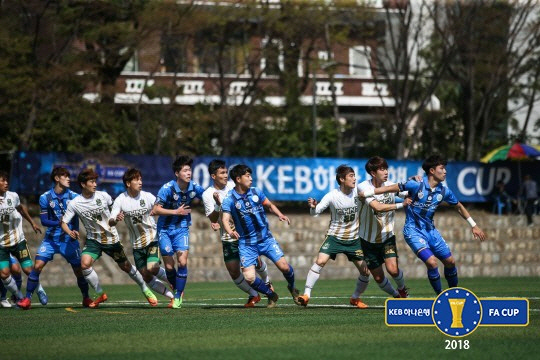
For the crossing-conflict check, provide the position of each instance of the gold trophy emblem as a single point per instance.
(456, 306)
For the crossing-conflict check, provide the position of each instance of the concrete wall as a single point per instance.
(511, 250)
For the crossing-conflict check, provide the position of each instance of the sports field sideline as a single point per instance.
(213, 324)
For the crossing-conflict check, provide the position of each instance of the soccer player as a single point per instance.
(53, 204)
(419, 230)
(244, 206)
(377, 230)
(13, 241)
(134, 206)
(15, 274)
(342, 234)
(92, 207)
(212, 199)
(173, 207)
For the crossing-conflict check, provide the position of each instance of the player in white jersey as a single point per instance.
(92, 207)
(212, 198)
(377, 230)
(12, 240)
(342, 234)
(135, 207)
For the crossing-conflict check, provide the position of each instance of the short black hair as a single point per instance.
(215, 165)
(239, 170)
(131, 174)
(433, 161)
(4, 175)
(342, 171)
(375, 163)
(85, 175)
(59, 171)
(180, 162)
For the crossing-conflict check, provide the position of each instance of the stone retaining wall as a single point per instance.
(511, 250)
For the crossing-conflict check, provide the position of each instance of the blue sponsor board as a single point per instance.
(282, 179)
(505, 312)
(457, 312)
(403, 312)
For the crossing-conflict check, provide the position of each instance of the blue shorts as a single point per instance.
(70, 250)
(419, 239)
(268, 247)
(173, 240)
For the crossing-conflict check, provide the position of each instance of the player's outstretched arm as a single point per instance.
(226, 218)
(24, 212)
(159, 210)
(476, 231)
(379, 191)
(74, 234)
(380, 207)
(273, 208)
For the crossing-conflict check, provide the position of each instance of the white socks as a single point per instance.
(312, 277)
(160, 287)
(361, 286)
(92, 278)
(136, 276)
(263, 272)
(387, 287)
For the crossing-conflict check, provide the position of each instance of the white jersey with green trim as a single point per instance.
(376, 227)
(11, 232)
(141, 226)
(94, 214)
(210, 203)
(343, 214)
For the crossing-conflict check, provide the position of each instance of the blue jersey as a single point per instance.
(419, 213)
(171, 197)
(248, 215)
(53, 206)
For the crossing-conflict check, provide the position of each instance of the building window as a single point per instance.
(133, 62)
(174, 53)
(272, 59)
(359, 61)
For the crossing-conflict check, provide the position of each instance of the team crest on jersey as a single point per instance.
(238, 205)
(184, 198)
(429, 198)
(192, 194)
(420, 194)
(255, 198)
(98, 202)
(175, 196)
(248, 204)
(9, 202)
(52, 204)
(439, 197)
(142, 203)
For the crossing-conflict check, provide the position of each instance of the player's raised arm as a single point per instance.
(476, 231)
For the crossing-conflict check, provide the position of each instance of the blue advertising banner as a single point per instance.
(282, 179)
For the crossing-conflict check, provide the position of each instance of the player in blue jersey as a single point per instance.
(53, 204)
(173, 207)
(244, 205)
(419, 230)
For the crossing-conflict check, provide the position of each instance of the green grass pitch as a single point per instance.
(214, 325)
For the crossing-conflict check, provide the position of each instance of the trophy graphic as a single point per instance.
(456, 306)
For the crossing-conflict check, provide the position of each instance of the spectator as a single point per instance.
(529, 192)
(501, 199)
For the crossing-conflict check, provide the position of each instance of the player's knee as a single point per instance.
(125, 266)
(250, 277)
(431, 263)
(392, 271)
